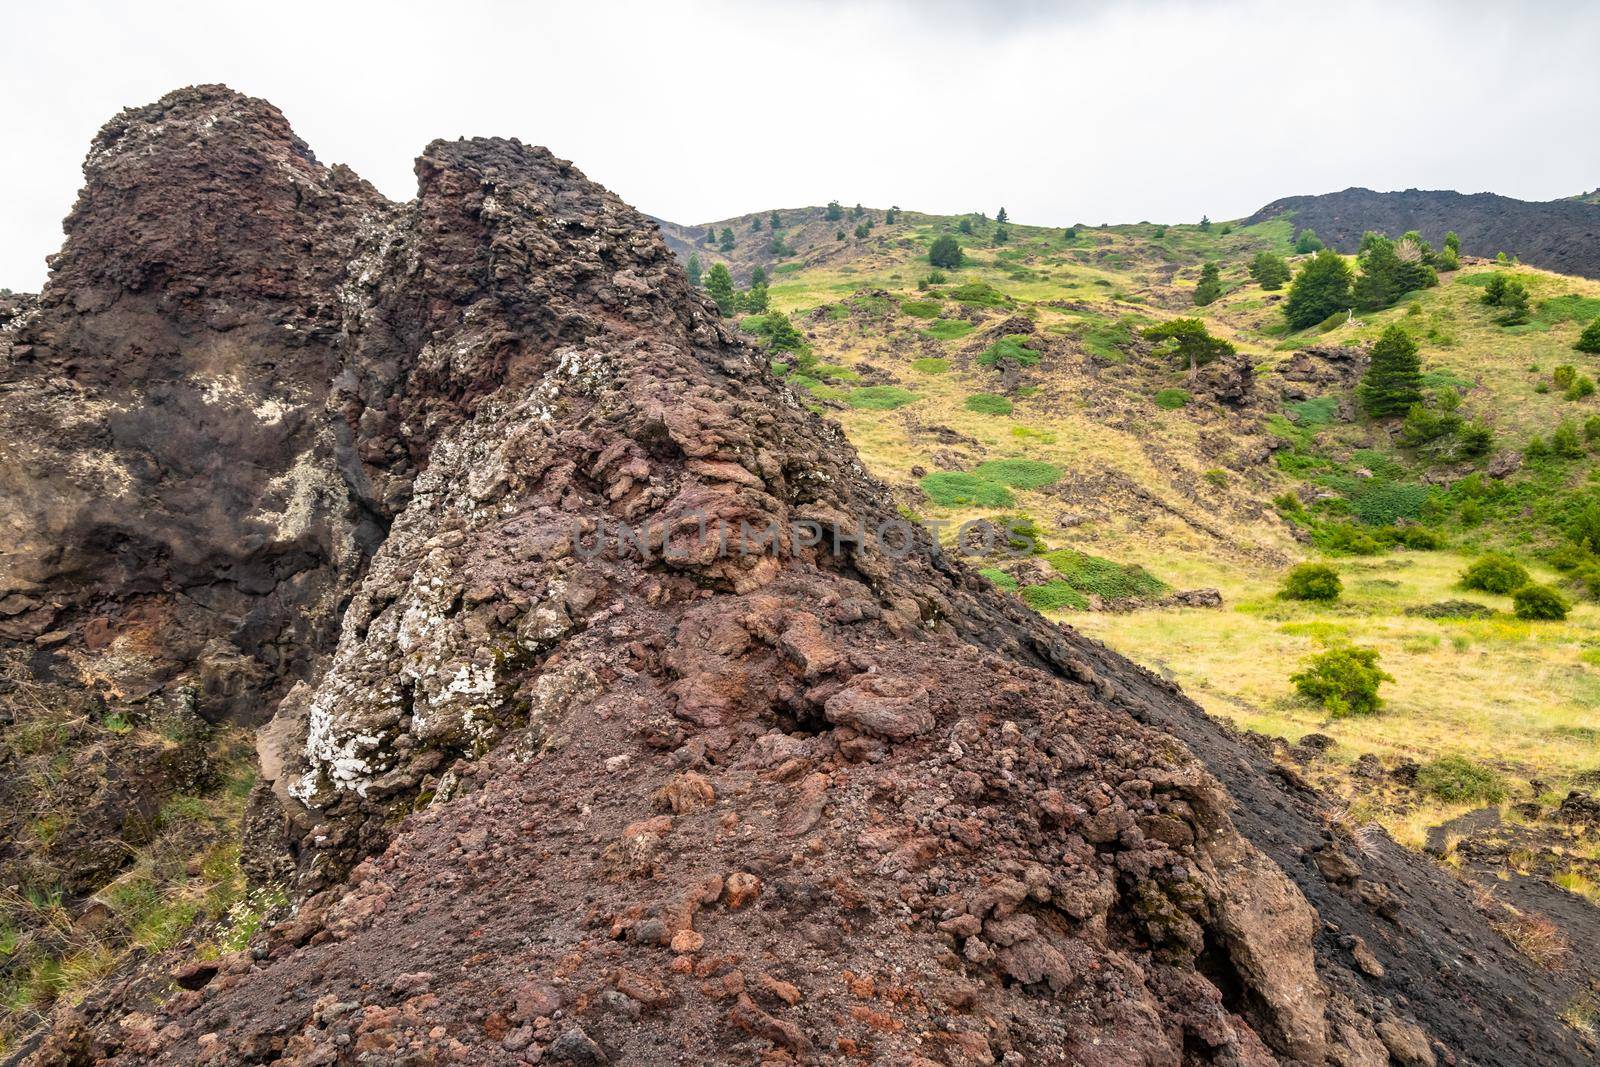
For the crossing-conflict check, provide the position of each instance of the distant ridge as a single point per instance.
(1560, 235)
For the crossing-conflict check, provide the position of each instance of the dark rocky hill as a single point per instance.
(1561, 235)
(769, 779)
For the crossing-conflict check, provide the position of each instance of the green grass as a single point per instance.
(948, 329)
(921, 309)
(880, 397)
(1171, 399)
(1009, 348)
(979, 294)
(988, 404)
(960, 489)
(931, 365)
(1019, 473)
(1054, 596)
(999, 578)
(1103, 577)
(1318, 411)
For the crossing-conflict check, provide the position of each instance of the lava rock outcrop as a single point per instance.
(652, 733)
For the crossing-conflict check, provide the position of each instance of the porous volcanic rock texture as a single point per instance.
(766, 780)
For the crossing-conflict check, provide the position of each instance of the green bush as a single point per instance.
(1019, 473)
(997, 577)
(1495, 572)
(1054, 596)
(1320, 290)
(1456, 780)
(979, 294)
(1103, 577)
(960, 489)
(1171, 399)
(1540, 603)
(1009, 348)
(880, 397)
(1343, 680)
(1312, 581)
(1589, 340)
(988, 404)
(945, 252)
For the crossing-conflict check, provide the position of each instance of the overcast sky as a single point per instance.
(1063, 112)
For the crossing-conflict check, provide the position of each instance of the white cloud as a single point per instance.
(1061, 112)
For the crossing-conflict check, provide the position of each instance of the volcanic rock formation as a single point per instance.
(651, 733)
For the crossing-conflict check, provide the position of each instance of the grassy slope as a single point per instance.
(1520, 696)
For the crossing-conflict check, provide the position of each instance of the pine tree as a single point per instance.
(1002, 218)
(1453, 242)
(1589, 340)
(776, 220)
(1391, 269)
(756, 298)
(890, 215)
(965, 226)
(1205, 223)
(1307, 242)
(758, 276)
(710, 236)
(719, 285)
(1190, 343)
(1210, 286)
(755, 224)
(1002, 234)
(1393, 381)
(857, 211)
(1320, 289)
(835, 211)
(1270, 270)
(726, 241)
(945, 252)
(694, 270)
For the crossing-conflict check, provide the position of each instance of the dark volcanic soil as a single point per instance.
(759, 787)
(1561, 235)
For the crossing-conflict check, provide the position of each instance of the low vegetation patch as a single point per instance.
(1312, 581)
(988, 404)
(1458, 780)
(931, 365)
(1105, 578)
(1539, 603)
(1495, 572)
(1054, 596)
(1172, 399)
(979, 294)
(1343, 680)
(953, 489)
(948, 329)
(1009, 348)
(1452, 609)
(1019, 473)
(880, 397)
(921, 309)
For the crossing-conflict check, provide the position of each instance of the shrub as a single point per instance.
(1010, 347)
(1474, 440)
(1582, 386)
(1054, 596)
(1270, 270)
(999, 578)
(1172, 399)
(1019, 473)
(1589, 340)
(1103, 577)
(979, 294)
(1495, 572)
(1563, 375)
(1565, 442)
(988, 404)
(1307, 242)
(1452, 609)
(1539, 602)
(1456, 779)
(880, 397)
(1312, 581)
(1343, 680)
(960, 489)
(945, 252)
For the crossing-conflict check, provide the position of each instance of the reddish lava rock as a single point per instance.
(735, 785)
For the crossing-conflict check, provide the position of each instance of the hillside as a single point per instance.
(1018, 388)
(680, 795)
(1561, 235)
